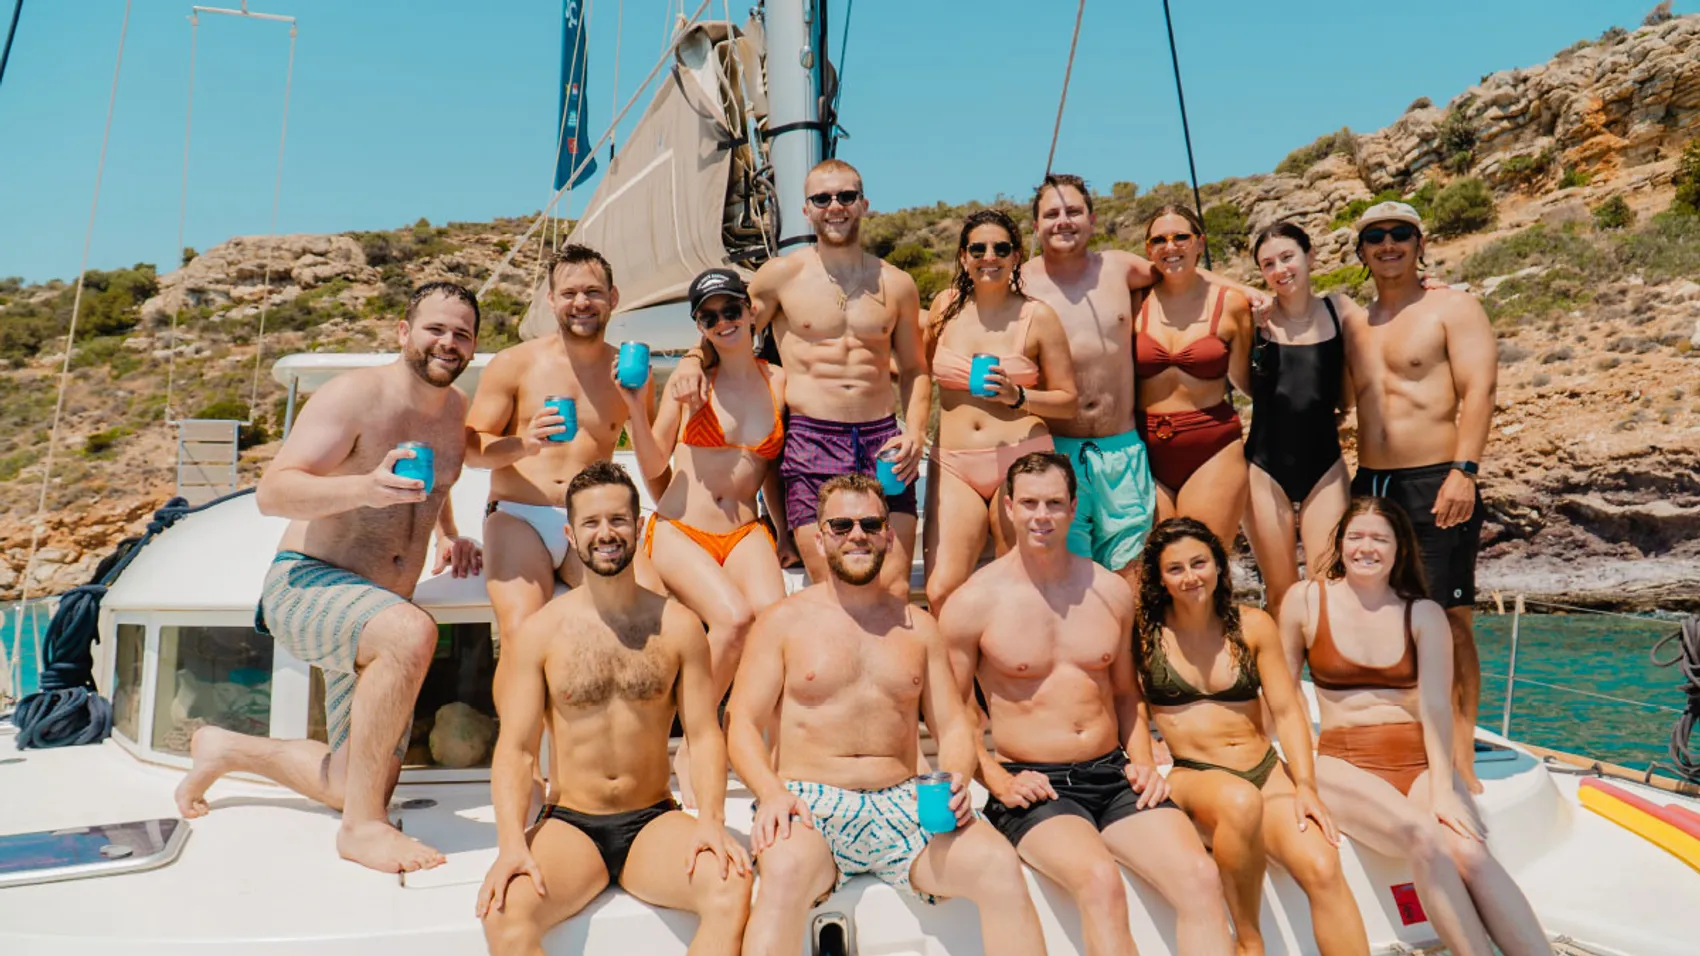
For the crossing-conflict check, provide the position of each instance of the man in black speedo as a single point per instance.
(607, 665)
(1423, 365)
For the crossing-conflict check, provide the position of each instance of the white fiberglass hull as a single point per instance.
(259, 875)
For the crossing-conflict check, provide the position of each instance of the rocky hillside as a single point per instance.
(1566, 194)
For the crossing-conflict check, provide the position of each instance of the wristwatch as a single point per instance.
(1467, 467)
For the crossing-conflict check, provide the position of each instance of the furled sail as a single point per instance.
(687, 191)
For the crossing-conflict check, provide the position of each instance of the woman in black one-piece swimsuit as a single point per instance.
(1299, 483)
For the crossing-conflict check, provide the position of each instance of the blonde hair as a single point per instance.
(834, 166)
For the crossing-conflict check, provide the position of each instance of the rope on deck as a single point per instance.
(1687, 660)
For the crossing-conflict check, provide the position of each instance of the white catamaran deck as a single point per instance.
(259, 875)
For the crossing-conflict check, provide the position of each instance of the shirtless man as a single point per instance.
(1045, 632)
(607, 665)
(1094, 293)
(848, 667)
(508, 431)
(337, 594)
(1423, 365)
(843, 319)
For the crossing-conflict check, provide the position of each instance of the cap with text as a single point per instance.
(716, 282)
(1390, 211)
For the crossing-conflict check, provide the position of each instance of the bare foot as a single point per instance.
(210, 749)
(381, 847)
(1467, 775)
(682, 770)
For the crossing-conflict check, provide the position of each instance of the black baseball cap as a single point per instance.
(717, 282)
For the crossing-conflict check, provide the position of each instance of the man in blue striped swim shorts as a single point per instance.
(850, 668)
(337, 594)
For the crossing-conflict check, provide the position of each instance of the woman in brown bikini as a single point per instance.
(1190, 636)
(1192, 335)
(1384, 755)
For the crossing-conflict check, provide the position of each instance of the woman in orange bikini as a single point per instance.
(705, 538)
(1247, 803)
(1380, 656)
(1192, 336)
(986, 312)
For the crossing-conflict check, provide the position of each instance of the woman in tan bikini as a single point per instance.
(985, 312)
(704, 536)
(1384, 755)
(1192, 336)
(1247, 804)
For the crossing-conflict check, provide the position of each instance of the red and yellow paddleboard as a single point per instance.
(1673, 829)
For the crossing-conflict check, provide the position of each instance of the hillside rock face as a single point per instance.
(1606, 109)
(240, 272)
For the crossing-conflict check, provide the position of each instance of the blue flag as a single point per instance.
(572, 118)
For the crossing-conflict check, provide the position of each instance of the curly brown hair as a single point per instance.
(1155, 600)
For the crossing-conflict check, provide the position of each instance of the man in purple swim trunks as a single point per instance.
(842, 320)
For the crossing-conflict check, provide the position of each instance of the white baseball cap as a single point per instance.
(1389, 211)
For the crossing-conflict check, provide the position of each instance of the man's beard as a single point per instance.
(567, 329)
(614, 566)
(850, 241)
(420, 362)
(835, 561)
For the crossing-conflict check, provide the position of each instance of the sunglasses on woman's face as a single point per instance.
(845, 197)
(1376, 235)
(999, 249)
(1178, 239)
(841, 527)
(709, 318)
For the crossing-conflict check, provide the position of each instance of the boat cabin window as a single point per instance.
(127, 685)
(454, 720)
(210, 675)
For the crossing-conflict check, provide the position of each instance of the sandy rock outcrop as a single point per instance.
(246, 269)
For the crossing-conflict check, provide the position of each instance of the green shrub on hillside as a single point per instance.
(1226, 230)
(910, 255)
(1666, 248)
(1614, 213)
(1574, 177)
(1687, 179)
(1342, 141)
(110, 306)
(1351, 280)
(1524, 171)
(230, 409)
(1457, 139)
(101, 444)
(1534, 246)
(1464, 206)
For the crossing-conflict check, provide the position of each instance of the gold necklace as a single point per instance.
(843, 297)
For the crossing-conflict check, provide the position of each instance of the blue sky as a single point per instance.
(445, 108)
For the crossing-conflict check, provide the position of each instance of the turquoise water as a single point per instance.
(22, 654)
(1582, 652)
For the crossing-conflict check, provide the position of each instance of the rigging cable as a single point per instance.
(76, 306)
(12, 31)
(182, 211)
(277, 192)
(614, 90)
(1186, 132)
(1068, 71)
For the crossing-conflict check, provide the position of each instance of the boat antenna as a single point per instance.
(1186, 132)
(11, 31)
(1068, 72)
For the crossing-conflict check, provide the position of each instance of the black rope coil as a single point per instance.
(1687, 660)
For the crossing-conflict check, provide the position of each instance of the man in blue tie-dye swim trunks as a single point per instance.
(849, 669)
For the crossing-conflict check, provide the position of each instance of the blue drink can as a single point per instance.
(982, 364)
(565, 407)
(885, 469)
(421, 467)
(632, 368)
(932, 798)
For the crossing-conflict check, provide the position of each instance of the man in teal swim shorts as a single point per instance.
(843, 670)
(1094, 293)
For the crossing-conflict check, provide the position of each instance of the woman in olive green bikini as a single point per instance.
(1247, 804)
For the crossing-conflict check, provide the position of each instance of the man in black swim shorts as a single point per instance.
(1045, 632)
(608, 664)
(1423, 366)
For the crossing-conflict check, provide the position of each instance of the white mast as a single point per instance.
(794, 132)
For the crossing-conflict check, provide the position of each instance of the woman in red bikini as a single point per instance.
(985, 311)
(1192, 336)
(705, 538)
(1380, 656)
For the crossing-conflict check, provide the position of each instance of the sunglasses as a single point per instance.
(999, 249)
(841, 527)
(1178, 239)
(1375, 235)
(709, 318)
(844, 196)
